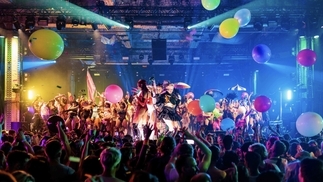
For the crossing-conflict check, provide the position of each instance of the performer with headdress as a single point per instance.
(167, 102)
(141, 113)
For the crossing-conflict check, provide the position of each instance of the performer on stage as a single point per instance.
(167, 103)
(141, 113)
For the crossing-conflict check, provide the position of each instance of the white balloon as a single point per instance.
(227, 124)
(243, 16)
(309, 124)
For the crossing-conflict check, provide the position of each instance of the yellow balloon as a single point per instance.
(229, 28)
(46, 44)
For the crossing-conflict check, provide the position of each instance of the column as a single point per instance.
(12, 83)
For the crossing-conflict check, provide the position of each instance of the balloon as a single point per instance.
(243, 16)
(309, 124)
(210, 4)
(216, 113)
(207, 103)
(229, 28)
(46, 44)
(113, 93)
(261, 53)
(306, 57)
(262, 103)
(227, 124)
(194, 108)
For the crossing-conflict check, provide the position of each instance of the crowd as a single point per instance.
(150, 136)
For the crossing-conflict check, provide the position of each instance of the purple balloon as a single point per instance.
(261, 53)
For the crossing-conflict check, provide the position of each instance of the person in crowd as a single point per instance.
(311, 170)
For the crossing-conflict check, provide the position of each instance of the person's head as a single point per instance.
(185, 149)
(140, 176)
(302, 155)
(227, 142)
(311, 170)
(6, 177)
(141, 83)
(252, 160)
(39, 168)
(168, 145)
(293, 149)
(16, 160)
(315, 150)
(277, 149)
(6, 147)
(270, 142)
(230, 157)
(270, 176)
(245, 147)
(53, 150)
(110, 159)
(201, 177)
(22, 176)
(186, 166)
(260, 149)
(126, 153)
(215, 153)
(92, 165)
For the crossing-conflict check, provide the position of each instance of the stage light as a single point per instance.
(60, 22)
(150, 60)
(30, 22)
(316, 36)
(31, 95)
(258, 25)
(141, 57)
(129, 22)
(94, 26)
(83, 21)
(75, 21)
(42, 21)
(171, 59)
(289, 95)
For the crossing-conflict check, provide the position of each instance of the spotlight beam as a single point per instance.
(87, 13)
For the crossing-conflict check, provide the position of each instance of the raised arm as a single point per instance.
(206, 160)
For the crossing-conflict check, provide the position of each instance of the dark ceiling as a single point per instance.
(167, 19)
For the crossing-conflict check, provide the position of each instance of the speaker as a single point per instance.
(159, 47)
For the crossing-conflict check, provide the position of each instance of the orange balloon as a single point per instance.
(229, 28)
(194, 108)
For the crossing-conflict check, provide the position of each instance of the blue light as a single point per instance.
(27, 64)
(289, 95)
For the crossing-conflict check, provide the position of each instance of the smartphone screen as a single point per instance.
(191, 142)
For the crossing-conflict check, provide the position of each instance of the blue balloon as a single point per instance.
(207, 103)
(243, 16)
(227, 124)
(261, 53)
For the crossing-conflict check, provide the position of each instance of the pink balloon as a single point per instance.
(306, 57)
(262, 103)
(113, 93)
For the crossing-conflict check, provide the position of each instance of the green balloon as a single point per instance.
(210, 4)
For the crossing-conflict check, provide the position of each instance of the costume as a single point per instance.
(167, 103)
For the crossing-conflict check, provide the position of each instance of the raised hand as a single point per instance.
(187, 133)
(148, 129)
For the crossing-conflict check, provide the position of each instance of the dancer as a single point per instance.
(141, 114)
(167, 103)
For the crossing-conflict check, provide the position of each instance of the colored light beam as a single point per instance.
(86, 13)
(36, 64)
(218, 19)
